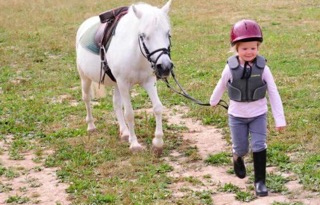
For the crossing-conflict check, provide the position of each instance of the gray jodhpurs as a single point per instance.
(243, 128)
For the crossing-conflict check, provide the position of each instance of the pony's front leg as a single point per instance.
(157, 142)
(124, 90)
(117, 106)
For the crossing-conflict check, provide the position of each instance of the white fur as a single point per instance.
(128, 66)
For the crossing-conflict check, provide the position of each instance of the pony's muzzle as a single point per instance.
(163, 70)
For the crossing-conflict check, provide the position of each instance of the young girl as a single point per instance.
(247, 78)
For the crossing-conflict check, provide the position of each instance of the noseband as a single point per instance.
(147, 54)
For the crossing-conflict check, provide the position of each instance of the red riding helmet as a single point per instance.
(245, 30)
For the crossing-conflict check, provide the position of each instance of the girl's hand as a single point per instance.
(280, 129)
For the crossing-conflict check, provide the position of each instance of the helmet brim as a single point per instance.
(247, 39)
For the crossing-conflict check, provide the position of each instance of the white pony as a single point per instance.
(139, 53)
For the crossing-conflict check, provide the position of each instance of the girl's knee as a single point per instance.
(258, 147)
(240, 152)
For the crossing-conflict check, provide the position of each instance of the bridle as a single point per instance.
(166, 51)
(147, 54)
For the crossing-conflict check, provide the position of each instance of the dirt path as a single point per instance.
(209, 140)
(28, 182)
(36, 184)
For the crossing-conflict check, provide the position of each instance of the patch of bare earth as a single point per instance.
(209, 140)
(28, 182)
(41, 185)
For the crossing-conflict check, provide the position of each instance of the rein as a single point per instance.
(222, 103)
(148, 55)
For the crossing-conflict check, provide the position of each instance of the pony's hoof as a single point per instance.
(136, 148)
(91, 130)
(91, 127)
(157, 151)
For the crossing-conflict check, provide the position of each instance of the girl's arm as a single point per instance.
(221, 86)
(275, 100)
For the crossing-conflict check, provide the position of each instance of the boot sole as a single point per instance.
(262, 194)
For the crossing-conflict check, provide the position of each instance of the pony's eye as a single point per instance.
(169, 34)
(143, 35)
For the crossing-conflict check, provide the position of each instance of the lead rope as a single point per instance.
(148, 55)
(222, 103)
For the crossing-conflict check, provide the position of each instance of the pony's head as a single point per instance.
(154, 36)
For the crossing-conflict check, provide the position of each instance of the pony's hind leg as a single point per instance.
(86, 97)
(117, 106)
(157, 142)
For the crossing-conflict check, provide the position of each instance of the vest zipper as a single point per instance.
(248, 70)
(247, 89)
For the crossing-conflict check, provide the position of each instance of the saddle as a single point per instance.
(109, 20)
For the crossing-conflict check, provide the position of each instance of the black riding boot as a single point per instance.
(259, 163)
(239, 167)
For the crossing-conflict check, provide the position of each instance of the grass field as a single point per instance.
(40, 96)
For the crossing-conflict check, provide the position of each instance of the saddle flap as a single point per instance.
(100, 34)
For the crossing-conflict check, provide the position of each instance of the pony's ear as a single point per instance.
(137, 12)
(166, 7)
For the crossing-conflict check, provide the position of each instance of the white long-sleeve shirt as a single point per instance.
(255, 108)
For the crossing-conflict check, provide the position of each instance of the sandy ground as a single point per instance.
(209, 140)
(34, 181)
(42, 187)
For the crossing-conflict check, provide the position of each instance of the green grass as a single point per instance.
(276, 183)
(222, 158)
(17, 200)
(284, 203)
(229, 188)
(37, 67)
(245, 196)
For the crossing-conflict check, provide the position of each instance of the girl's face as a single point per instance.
(247, 51)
